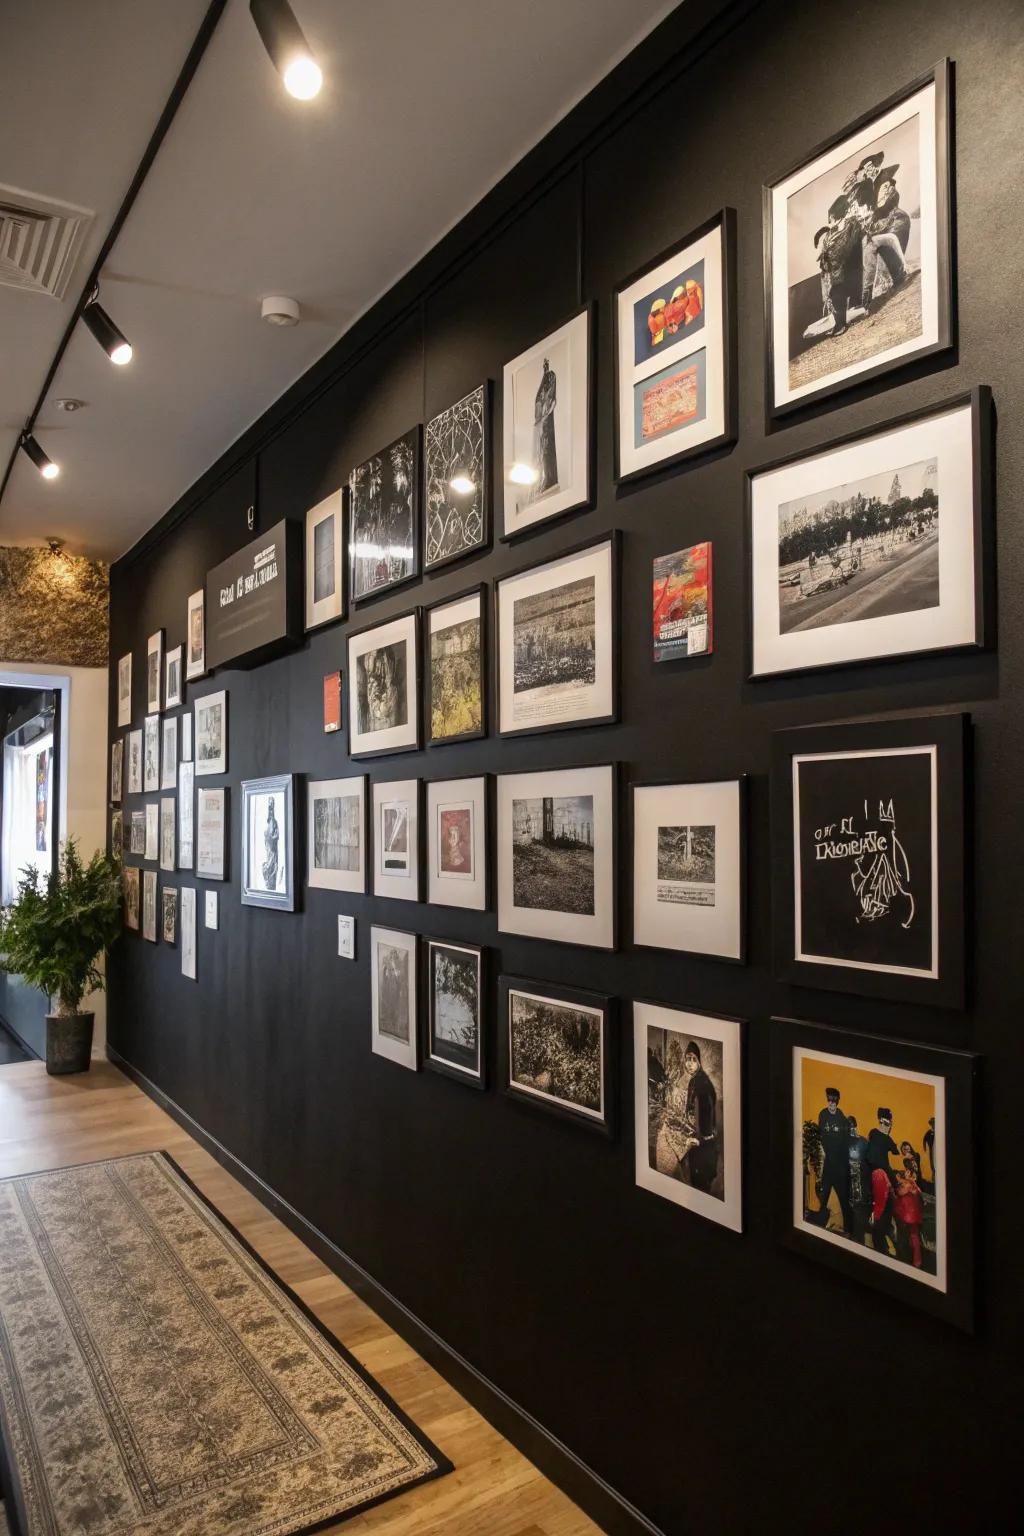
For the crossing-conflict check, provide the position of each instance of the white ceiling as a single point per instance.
(426, 104)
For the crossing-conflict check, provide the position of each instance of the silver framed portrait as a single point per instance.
(268, 842)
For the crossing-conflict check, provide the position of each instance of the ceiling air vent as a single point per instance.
(40, 240)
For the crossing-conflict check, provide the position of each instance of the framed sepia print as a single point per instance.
(137, 833)
(876, 545)
(116, 770)
(117, 836)
(168, 833)
(675, 353)
(456, 669)
(556, 627)
(152, 850)
(124, 690)
(130, 883)
(453, 1043)
(186, 815)
(393, 998)
(858, 252)
(555, 1050)
(169, 752)
(325, 585)
(869, 857)
(211, 733)
(151, 753)
(169, 914)
(211, 832)
(383, 687)
(457, 843)
(195, 630)
(681, 603)
(154, 672)
(336, 822)
(556, 855)
(396, 838)
(174, 683)
(135, 762)
(873, 1156)
(457, 474)
(547, 402)
(688, 1110)
(384, 504)
(149, 905)
(268, 842)
(689, 867)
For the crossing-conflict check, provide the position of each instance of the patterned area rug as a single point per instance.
(157, 1380)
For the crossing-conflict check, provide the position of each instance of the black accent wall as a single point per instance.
(714, 1380)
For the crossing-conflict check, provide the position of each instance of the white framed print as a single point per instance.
(384, 687)
(135, 762)
(151, 753)
(195, 652)
(152, 831)
(396, 839)
(556, 855)
(187, 923)
(688, 1110)
(689, 875)
(211, 830)
(211, 734)
(174, 683)
(186, 737)
(336, 833)
(168, 836)
(169, 752)
(154, 672)
(325, 587)
(124, 690)
(548, 426)
(675, 351)
(394, 1025)
(186, 815)
(456, 818)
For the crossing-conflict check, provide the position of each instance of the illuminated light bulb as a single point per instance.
(523, 474)
(122, 354)
(42, 461)
(50, 471)
(462, 484)
(303, 78)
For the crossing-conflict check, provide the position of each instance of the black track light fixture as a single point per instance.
(114, 343)
(289, 52)
(45, 465)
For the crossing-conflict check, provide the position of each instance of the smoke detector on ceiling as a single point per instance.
(69, 403)
(278, 310)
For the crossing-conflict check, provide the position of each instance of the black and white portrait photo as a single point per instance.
(268, 847)
(556, 839)
(383, 694)
(688, 877)
(555, 1049)
(384, 517)
(325, 596)
(454, 1022)
(457, 459)
(547, 427)
(393, 957)
(336, 811)
(211, 733)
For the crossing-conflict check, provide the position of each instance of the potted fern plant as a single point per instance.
(53, 935)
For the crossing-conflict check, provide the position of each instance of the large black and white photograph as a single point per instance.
(874, 546)
(556, 641)
(457, 479)
(124, 690)
(857, 250)
(384, 517)
(688, 876)
(396, 837)
(169, 752)
(336, 819)
(168, 833)
(687, 1110)
(456, 816)
(555, 1050)
(154, 672)
(547, 424)
(394, 1025)
(456, 680)
(135, 762)
(195, 635)
(268, 842)
(325, 587)
(211, 733)
(454, 1013)
(383, 693)
(151, 753)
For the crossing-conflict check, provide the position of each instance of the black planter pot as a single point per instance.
(68, 1042)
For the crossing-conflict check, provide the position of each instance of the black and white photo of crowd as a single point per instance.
(554, 638)
(555, 1050)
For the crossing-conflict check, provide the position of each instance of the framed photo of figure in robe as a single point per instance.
(268, 842)
(547, 403)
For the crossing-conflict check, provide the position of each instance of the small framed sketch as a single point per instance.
(135, 762)
(169, 752)
(195, 629)
(137, 833)
(869, 859)
(457, 843)
(346, 937)
(557, 641)
(555, 1050)
(456, 670)
(681, 598)
(873, 1159)
(336, 821)
(675, 353)
(384, 500)
(556, 855)
(210, 903)
(547, 401)
(149, 905)
(857, 249)
(154, 672)
(186, 737)
(877, 545)
(152, 851)
(325, 586)
(188, 931)
(394, 1025)
(168, 835)
(124, 690)
(130, 885)
(174, 682)
(116, 770)
(151, 753)
(211, 735)
(186, 815)
(117, 836)
(454, 1022)
(384, 687)
(689, 867)
(457, 459)
(332, 702)
(688, 1110)
(169, 914)
(396, 839)
(268, 842)
(211, 832)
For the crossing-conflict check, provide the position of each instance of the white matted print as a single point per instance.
(688, 879)
(135, 762)
(546, 406)
(457, 843)
(396, 839)
(195, 644)
(154, 671)
(211, 832)
(383, 687)
(151, 753)
(174, 682)
(152, 831)
(393, 968)
(149, 904)
(325, 591)
(211, 736)
(168, 835)
(336, 829)
(687, 1077)
(124, 690)
(169, 753)
(187, 923)
(186, 815)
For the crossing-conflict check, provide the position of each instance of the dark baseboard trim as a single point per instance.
(613, 1513)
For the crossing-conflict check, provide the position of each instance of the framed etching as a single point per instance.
(857, 249)
(688, 1110)
(689, 867)
(547, 403)
(873, 1159)
(457, 460)
(457, 843)
(169, 914)
(456, 670)
(174, 682)
(556, 855)
(169, 752)
(394, 1024)
(152, 850)
(396, 838)
(186, 815)
(675, 353)
(116, 770)
(336, 823)
(186, 736)
(124, 690)
(211, 832)
(876, 545)
(168, 835)
(211, 733)
(869, 857)
(325, 586)
(154, 672)
(151, 753)
(188, 931)
(383, 687)
(385, 493)
(117, 836)
(135, 762)
(195, 629)
(555, 1051)
(453, 1043)
(268, 842)
(149, 905)
(137, 833)
(130, 883)
(557, 651)
(681, 604)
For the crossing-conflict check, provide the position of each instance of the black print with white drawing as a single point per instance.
(455, 470)
(337, 832)
(393, 978)
(554, 637)
(555, 1052)
(455, 1006)
(686, 866)
(685, 1103)
(395, 850)
(383, 517)
(382, 698)
(553, 853)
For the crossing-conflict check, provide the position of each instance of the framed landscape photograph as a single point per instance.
(454, 1022)
(556, 625)
(384, 503)
(211, 833)
(149, 905)
(681, 604)
(151, 753)
(336, 823)
(211, 733)
(555, 1051)
(869, 857)
(547, 403)
(116, 770)
(325, 584)
(688, 1110)
(169, 752)
(186, 815)
(556, 855)
(169, 914)
(456, 670)
(384, 687)
(168, 833)
(135, 762)
(124, 690)
(130, 884)
(154, 672)
(457, 470)
(877, 545)
(873, 1160)
(689, 867)
(675, 353)
(268, 842)
(457, 843)
(396, 838)
(394, 1024)
(858, 252)
(195, 629)
(174, 682)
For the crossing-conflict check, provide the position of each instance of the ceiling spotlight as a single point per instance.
(278, 310)
(462, 484)
(45, 465)
(523, 474)
(114, 343)
(289, 52)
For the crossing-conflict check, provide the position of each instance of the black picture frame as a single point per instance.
(941, 75)
(433, 1063)
(382, 588)
(486, 474)
(607, 1124)
(959, 1071)
(351, 688)
(949, 736)
(429, 739)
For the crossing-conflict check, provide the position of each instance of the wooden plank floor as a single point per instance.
(52, 1122)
